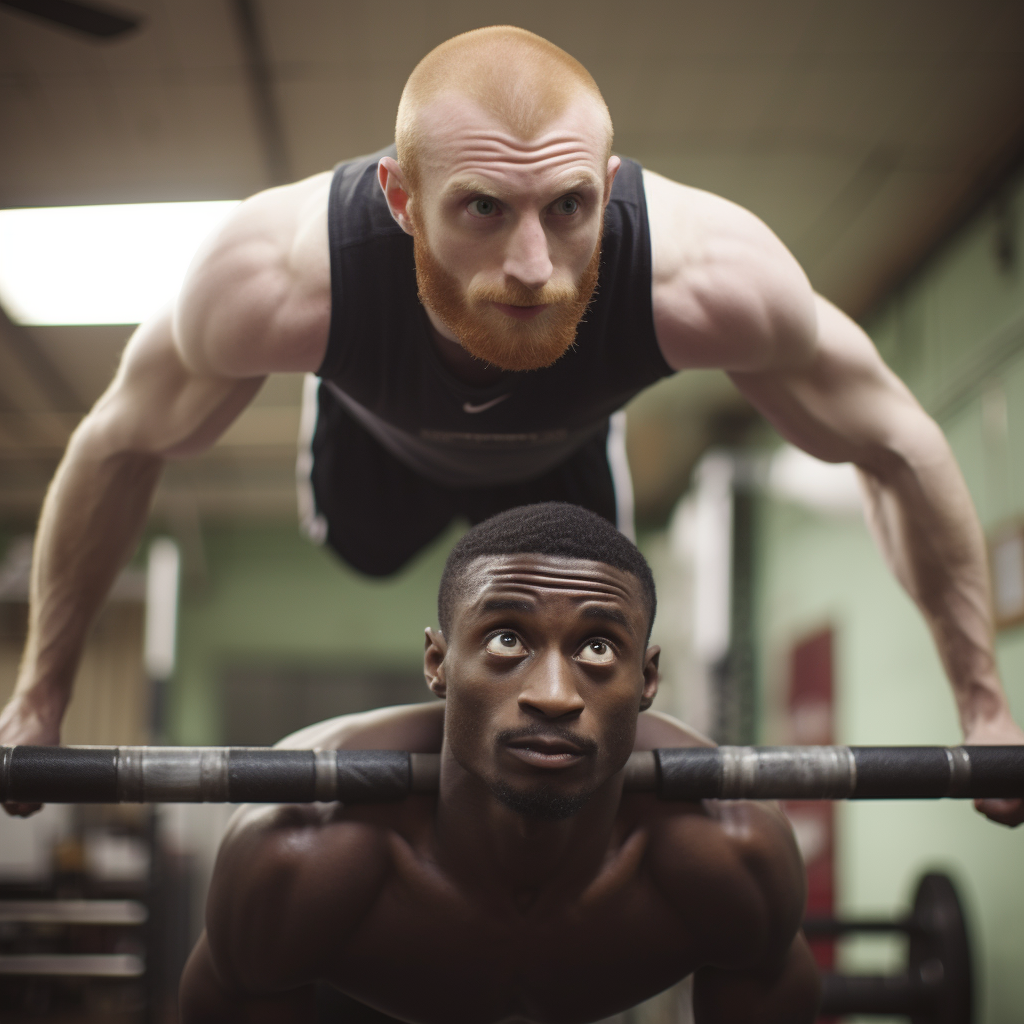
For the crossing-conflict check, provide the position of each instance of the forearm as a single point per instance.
(90, 524)
(922, 517)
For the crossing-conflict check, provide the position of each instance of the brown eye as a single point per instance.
(506, 644)
(596, 652)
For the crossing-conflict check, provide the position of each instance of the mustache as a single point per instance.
(585, 745)
(513, 293)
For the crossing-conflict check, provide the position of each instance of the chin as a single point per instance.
(541, 803)
(522, 347)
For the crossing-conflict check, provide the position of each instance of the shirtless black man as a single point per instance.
(529, 888)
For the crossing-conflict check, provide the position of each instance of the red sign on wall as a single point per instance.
(811, 718)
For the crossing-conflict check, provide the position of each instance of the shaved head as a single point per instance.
(515, 76)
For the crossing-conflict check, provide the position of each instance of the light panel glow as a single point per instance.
(99, 264)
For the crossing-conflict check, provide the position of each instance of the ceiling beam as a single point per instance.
(34, 361)
(269, 126)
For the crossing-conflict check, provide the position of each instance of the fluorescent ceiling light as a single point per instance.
(99, 264)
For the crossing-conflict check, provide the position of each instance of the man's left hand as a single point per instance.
(998, 731)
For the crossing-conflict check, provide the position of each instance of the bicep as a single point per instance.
(158, 405)
(842, 403)
(255, 909)
(290, 883)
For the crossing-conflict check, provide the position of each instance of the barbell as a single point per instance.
(266, 775)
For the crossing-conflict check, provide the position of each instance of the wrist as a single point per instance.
(41, 700)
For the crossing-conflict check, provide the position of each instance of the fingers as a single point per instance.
(16, 810)
(1005, 812)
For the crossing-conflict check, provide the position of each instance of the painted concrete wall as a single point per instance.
(956, 335)
(271, 597)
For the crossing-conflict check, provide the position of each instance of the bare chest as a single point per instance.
(436, 955)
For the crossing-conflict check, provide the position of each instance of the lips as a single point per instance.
(546, 752)
(520, 312)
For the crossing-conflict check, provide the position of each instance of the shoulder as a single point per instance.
(418, 728)
(256, 298)
(290, 881)
(727, 293)
(734, 867)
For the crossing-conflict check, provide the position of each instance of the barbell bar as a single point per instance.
(266, 775)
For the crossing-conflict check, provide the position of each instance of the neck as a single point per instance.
(459, 362)
(506, 853)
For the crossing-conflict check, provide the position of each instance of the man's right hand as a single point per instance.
(22, 724)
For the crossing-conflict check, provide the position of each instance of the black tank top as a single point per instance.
(382, 365)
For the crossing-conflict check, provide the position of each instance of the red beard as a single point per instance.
(487, 333)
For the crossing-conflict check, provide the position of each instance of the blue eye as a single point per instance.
(483, 207)
(568, 205)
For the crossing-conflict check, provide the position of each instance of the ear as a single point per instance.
(433, 661)
(614, 163)
(396, 192)
(651, 677)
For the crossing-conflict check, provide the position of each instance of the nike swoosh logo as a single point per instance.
(484, 406)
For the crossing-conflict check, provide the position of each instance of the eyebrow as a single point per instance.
(608, 615)
(511, 604)
(506, 604)
(462, 186)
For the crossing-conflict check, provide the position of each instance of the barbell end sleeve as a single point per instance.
(641, 772)
(424, 772)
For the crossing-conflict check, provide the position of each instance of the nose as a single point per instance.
(550, 689)
(527, 258)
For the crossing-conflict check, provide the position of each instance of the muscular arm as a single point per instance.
(289, 887)
(737, 880)
(728, 294)
(782, 990)
(253, 303)
(843, 404)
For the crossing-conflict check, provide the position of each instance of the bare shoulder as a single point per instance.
(418, 728)
(289, 882)
(734, 864)
(727, 293)
(656, 729)
(256, 298)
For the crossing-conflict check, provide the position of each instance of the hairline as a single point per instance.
(466, 566)
(412, 131)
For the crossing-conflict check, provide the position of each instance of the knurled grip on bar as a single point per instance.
(837, 773)
(201, 775)
(263, 775)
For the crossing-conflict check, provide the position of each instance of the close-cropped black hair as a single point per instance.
(548, 528)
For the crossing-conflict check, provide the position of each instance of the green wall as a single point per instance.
(271, 596)
(955, 333)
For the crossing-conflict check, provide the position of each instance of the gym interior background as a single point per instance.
(882, 142)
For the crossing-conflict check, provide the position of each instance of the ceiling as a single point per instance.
(858, 132)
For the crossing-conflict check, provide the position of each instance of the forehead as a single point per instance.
(463, 142)
(534, 581)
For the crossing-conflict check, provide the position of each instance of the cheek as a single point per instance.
(619, 714)
(469, 711)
